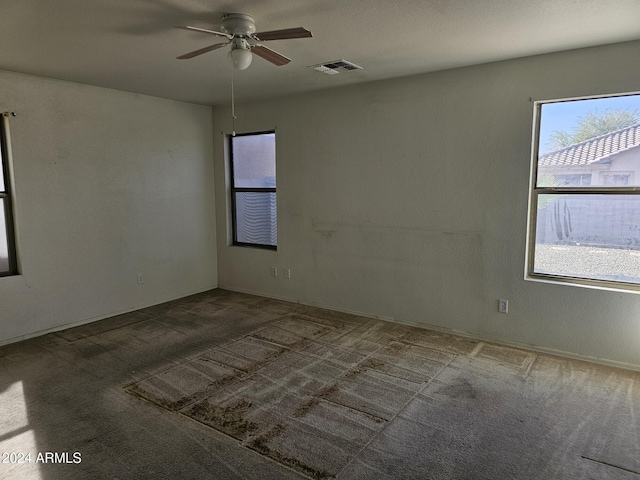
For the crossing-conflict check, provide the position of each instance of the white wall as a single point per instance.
(108, 185)
(407, 199)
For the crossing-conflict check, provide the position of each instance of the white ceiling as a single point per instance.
(132, 45)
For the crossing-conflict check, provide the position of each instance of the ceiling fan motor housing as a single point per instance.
(238, 24)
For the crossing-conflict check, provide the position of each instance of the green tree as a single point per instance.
(594, 124)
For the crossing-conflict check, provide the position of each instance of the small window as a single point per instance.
(570, 180)
(253, 189)
(616, 179)
(585, 192)
(8, 263)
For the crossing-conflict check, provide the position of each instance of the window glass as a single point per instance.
(589, 236)
(253, 192)
(564, 180)
(256, 218)
(4, 247)
(2, 187)
(586, 211)
(8, 260)
(595, 139)
(254, 160)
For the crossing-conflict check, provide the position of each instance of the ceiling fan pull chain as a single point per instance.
(233, 108)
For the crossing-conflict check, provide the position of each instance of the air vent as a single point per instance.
(337, 66)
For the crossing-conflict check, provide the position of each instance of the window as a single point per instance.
(616, 178)
(573, 180)
(8, 263)
(253, 189)
(584, 225)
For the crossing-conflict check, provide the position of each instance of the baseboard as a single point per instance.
(264, 295)
(471, 335)
(96, 318)
(524, 346)
(475, 336)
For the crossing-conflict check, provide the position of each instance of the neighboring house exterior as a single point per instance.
(603, 220)
(611, 159)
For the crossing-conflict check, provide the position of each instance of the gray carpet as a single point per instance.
(236, 387)
(336, 396)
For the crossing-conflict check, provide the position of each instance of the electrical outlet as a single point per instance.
(287, 273)
(274, 271)
(503, 305)
(140, 278)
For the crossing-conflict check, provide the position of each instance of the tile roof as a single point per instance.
(594, 150)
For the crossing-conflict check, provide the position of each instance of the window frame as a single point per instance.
(235, 190)
(6, 201)
(535, 192)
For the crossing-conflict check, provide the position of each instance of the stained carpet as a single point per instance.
(331, 395)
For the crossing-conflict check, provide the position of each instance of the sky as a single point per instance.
(565, 115)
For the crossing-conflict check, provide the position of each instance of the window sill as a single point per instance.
(584, 283)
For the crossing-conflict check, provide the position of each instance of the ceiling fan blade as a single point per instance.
(200, 51)
(283, 34)
(198, 29)
(270, 55)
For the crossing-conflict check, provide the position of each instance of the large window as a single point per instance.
(8, 264)
(253, 189)
(584, 225)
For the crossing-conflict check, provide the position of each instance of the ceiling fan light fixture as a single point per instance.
(240, 59)
(240, 54)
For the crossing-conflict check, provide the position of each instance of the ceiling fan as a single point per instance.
(240, 31)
